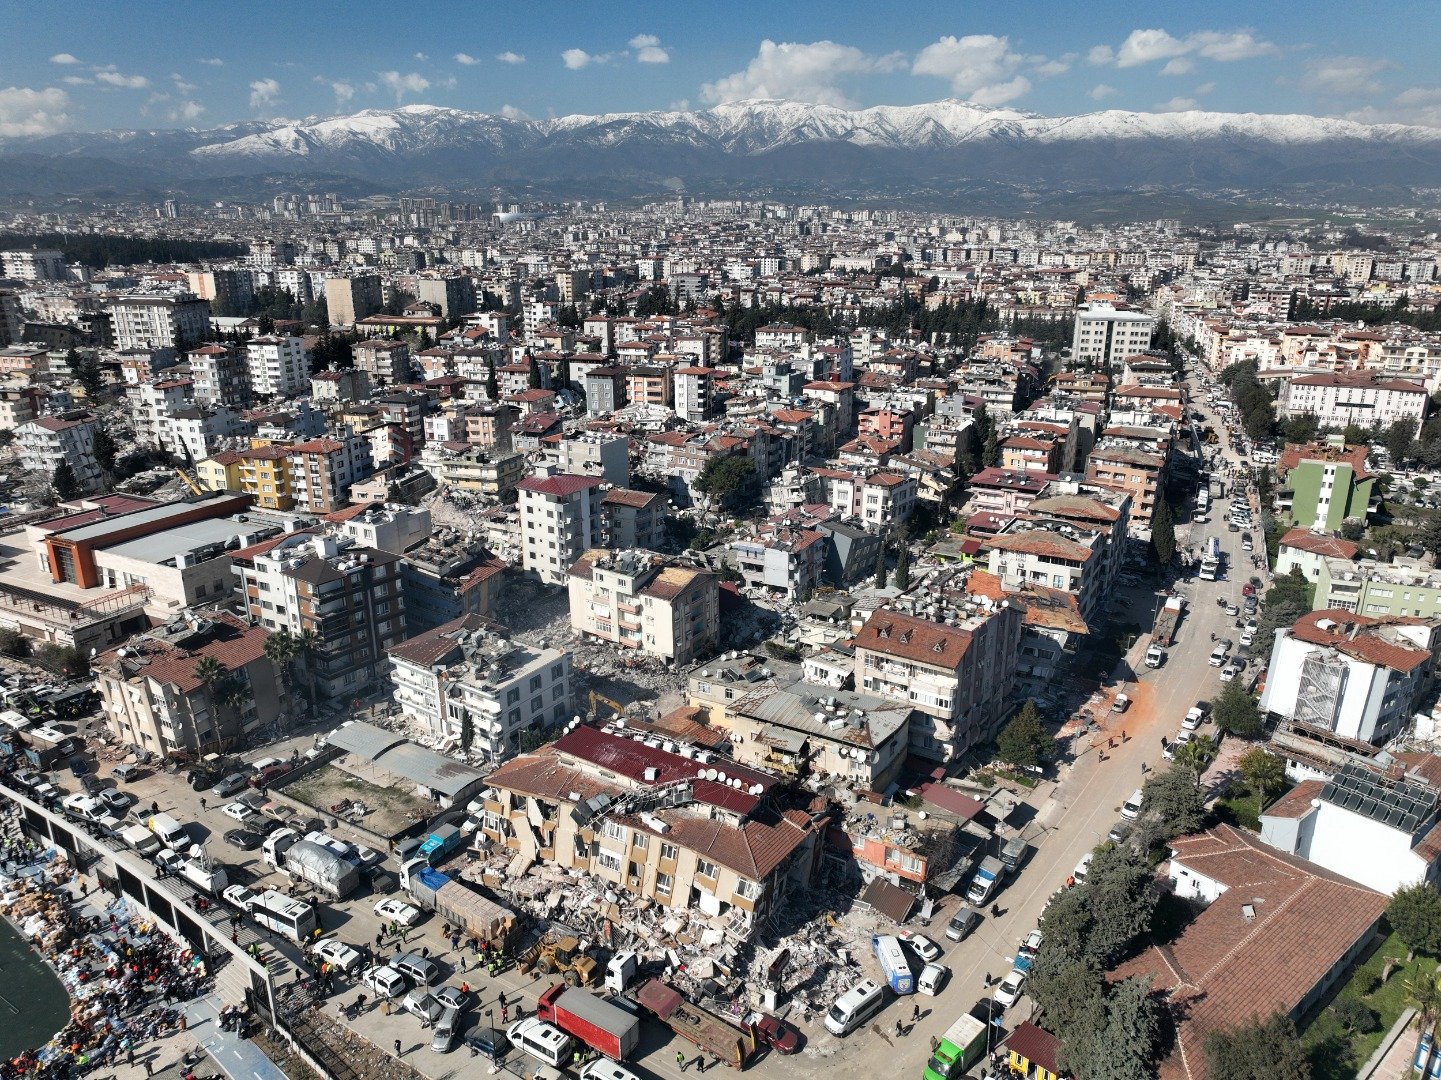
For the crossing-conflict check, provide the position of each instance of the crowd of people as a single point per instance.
(126, 978)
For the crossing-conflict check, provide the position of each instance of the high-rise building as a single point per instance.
(454, 294)
(1106, 334)
(278, 366)
(159, 322)
(36, 264)
(560, 521)
(350, 299)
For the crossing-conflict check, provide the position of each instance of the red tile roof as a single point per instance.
(561, 484)
(1329, 546)
(1355, 636)
(910, 638)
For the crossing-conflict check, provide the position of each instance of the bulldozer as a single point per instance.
(563, 957)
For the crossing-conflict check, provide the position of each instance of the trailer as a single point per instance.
(1164, 632)
(593, 1020)
(459, 902)
(716, 1036)
(440, 843)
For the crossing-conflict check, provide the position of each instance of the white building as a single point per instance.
(1351, 675)
(159, 322)
(469, 667)
(37, 264)
(635, 600)
(694, 388)
(560, 520)
(602, 454)
(278, 366)
(1106, 334)
(46, 441)
(1336, 399)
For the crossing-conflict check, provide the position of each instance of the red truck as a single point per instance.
(594, 1021)
(714, 1034)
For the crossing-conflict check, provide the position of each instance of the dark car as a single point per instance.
(988, 1009)
(962, 923)
(777, 1034)
(490, 1042)
(244, 839)
(268, 775)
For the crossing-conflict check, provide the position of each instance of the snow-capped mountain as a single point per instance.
(767, 140)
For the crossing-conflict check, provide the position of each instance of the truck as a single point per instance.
(318, 865)
(894, 965)
(986, 881)
(1163, 633)
(141, 839)
(963, 1045)
(440, 843)
(593, 1020)
(700, 1027)
(1211, 559)
(205, 876)
(459, 902)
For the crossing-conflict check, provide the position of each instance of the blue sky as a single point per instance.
(166, 64)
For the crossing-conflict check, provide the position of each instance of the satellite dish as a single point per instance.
(721, 777)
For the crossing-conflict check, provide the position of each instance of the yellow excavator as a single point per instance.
(597, 700)
(190, 482)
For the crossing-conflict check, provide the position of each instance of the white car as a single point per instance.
(605, 1069)
(237, 810)
(1248, 637)
(925, 948)
(398, 911)
(170, 860)
(1083, 867)
(385, 981)
(1230, 671)
(1195, 716)
(933, 977)
(239, 896)
(338, 954)
(1008, 992)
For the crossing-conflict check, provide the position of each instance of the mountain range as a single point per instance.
(743, 147)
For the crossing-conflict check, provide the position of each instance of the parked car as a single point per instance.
(1230, 671)
(452, 997)
(239, 811)
(1121, 831)
(1232, 610)
(385, 981)
(933, 978)
(244, 839)
(239, 896)
(117, 802)
(337, 953)
(416, 968)
(398, 911)
(231, 785)
(490, 1042)
(925, 948)
(777, 1034)
(421, 1002)
(1031, 944)
(1195, 716)
(962, 923)
(1008, 991)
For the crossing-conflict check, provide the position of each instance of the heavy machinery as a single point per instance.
(597, 700)
(561, 956)
(190, 482)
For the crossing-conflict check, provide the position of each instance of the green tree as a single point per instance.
(1260, 1050)
(1415, 914)
(105, 450)
(1121, 889)
(1163, 532)
(211, 675)
(14, 643)
(64, 482)
(1124, 1045)
(1024, 741)
(86, 369)
(1174, 803)
(1300, 429)
(903, 566)
(62, 660)
(533, 373)
(729, 479)
(1399, 441)
(280, 648)
(1354, 1015)
(467, 731)
(1263, 772)
(1235, 711)
(492, 385)
(1196, 754)
(1423, 993)
(881, 565)
(307, 650)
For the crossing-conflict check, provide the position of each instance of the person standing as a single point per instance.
(398, 1051)
(680, 1060)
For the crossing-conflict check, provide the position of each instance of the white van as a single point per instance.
(169, 831)
(605, 1069)
(855, 1007)
(540, 1040)
(1131, 808)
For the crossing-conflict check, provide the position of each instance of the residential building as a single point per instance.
(958, 677)
(471, 468)
(1055, 556)
(653, 824)
(220, 375)
(1106, 334)
(279, 366)
(640, 600)
(1352, 675)
(350, 299)
(322, 470)
(449, 575)
(781, 560)
(469, 669)
(159, 322)
(604, 454)
(694, 393)
(560, 520)
(34, 264)
(386, 362)
(43, 443)
(1322, 486)
(229, 291)
(1309, 552)
(1404, 587)
(1363, 398)
(1139, 473)
(150, 696)
(633, 519)
(453, 294)
(265, 475)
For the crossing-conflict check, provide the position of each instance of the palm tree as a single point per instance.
(1423, 993)
(307, 648)
(1262, 772)
(280, 650)
(1196, 754)
(211, 673)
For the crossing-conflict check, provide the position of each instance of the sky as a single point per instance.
(162, 63)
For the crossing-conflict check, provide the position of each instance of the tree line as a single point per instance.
(99, 250)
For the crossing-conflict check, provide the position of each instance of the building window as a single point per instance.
(750, 890)
(707, 869)
(640, 841)
(613, 830)
(608, 860)
(663, 884)
(669, 851)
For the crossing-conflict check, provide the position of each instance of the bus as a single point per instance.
(894, 964)
(280, 913)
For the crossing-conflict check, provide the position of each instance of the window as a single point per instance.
(607, 859)
(706, 869)
(640, 841)
(535, 683)
(751, 890)
(512, 695)
(663, 884)
(668, 851)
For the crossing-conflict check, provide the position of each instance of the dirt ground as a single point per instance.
(390, 809)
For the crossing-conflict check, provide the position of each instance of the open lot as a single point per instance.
(390, 810)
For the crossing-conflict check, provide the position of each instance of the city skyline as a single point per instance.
(153, 71)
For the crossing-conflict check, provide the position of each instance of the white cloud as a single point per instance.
(77, 80)
(24, 111)
(264, 93)
(181, 85)
(421, 56)
(1420, 105)
(466, 59)
(1101, 91)
(213, 61)
(509, 57)
(575, 59)
(125, 82)
(1047, 68)
(799, 71)
(343, 91)
(1343, 76)
(450, 82)
(648, 49)
(64, 58)
(1205, 88)
(410, 83)
(186, 111)
(1177, 104)
(978, 66)
(510, 112)
(1151, 45)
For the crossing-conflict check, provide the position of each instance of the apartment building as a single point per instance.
(633, 519)
(453, 294)
(1139, 473)
(468, 670)
(220, 375)
(150, 696)
(640, 600)
(678, 828)
(448, 575)
(43, 443)
(492, 473)
(1352, 675)
(350, 299)
(350, 596)
(881, 498)
(229, 291)
(957, 677)
(158, 322)
(1363, 398)
(34, 264)
(278, 366)
(1106, 334)
(560, 520)
(1321, 487)
(322, 470)
(694, 393)
(387, 363)
(781, 560)
(605, 454)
